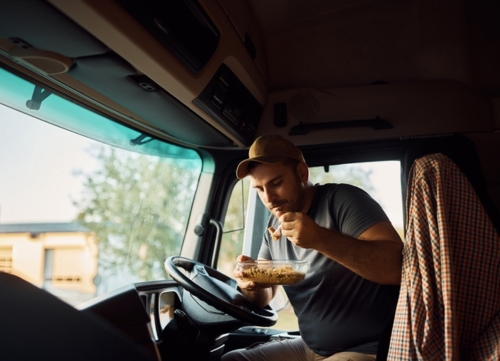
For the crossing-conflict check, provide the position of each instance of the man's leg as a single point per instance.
(347, 356)
(276, 350)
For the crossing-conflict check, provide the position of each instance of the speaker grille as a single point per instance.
(304, 105)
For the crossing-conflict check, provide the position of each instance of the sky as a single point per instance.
(38, 184)
(387, 182)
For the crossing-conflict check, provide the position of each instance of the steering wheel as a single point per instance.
(219, 291)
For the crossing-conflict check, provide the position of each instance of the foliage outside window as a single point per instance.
(234, 224)
(138, 207)
(75, 179)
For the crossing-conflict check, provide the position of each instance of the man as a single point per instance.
(355, 255)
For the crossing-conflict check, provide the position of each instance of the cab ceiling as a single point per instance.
(344, 43)
(334, 48)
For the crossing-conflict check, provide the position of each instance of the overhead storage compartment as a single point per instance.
(230, 103)
(180, 25)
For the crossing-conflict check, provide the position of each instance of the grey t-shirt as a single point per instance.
(337, 309)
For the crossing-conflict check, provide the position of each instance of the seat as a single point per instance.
(449, 303)
(36, 325)
(462, 151)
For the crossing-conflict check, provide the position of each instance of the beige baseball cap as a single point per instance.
(269, 149)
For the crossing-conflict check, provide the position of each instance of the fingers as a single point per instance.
(291, 217)
(290, 221)
(299, 229)
(247, 286)
(243, 258)
(237, 273)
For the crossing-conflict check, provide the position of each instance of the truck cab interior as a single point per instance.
(123, 122)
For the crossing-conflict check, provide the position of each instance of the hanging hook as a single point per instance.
(141, 139)
(39, 95)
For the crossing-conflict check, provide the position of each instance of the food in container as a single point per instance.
(276, 272)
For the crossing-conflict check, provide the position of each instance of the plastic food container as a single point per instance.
(277, 272)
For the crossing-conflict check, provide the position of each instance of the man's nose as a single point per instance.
(268, 196)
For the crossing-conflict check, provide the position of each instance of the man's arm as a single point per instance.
(375, 255)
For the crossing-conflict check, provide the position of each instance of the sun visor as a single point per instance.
(116, 79)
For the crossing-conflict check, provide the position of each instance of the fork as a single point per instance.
(277, 231)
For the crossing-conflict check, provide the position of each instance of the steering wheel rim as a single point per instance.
(219, 291)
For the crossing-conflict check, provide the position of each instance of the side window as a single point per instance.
(382, 180)
(234, 228)
(244, 226)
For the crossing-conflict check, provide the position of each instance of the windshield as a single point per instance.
(86, 204)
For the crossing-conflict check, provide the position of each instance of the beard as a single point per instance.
(293, 203)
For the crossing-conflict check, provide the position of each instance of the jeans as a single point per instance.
(289, 350)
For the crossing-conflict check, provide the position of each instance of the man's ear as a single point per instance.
(303, 172)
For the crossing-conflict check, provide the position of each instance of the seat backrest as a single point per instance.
(38, 326)
(461, 151)
(449, 305)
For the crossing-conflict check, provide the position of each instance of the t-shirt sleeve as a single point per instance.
(346, 208)
(355, 210)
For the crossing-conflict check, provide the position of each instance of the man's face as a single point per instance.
(280, 188)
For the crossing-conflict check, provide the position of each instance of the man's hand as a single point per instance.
(375, 255)
(260, 295)
(238, 274)
(300, 229)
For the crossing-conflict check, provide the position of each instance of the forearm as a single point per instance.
(258, 296)
(378, 260)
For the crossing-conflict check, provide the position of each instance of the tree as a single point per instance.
(138, 207)
(234, 224)
(343, 173)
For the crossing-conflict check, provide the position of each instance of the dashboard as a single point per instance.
(154, 315)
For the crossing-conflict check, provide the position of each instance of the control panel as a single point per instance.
(229, 102)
